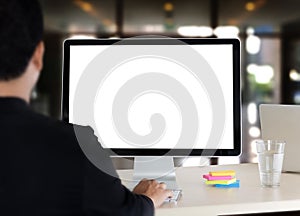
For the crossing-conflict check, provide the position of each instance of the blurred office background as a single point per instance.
(269, 31)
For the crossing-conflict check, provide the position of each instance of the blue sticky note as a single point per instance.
(233, 185)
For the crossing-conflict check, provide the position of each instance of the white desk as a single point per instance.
(201, 199)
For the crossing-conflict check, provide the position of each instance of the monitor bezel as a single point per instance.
(236, 151)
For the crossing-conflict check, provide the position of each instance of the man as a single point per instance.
(42, 168)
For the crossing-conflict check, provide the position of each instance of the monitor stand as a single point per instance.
(159, 168)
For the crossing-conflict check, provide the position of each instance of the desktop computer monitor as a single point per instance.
(155, 98)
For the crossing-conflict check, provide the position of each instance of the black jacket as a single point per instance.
(44, 172)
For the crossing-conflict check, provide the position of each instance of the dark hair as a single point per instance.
(21, 29)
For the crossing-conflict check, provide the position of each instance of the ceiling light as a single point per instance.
(85, 6)
(168, 6)
(153, 28)
(294, 75)
(82, 36)
(195, 31)
(250, 31)
(254, 132)
(263, 73)
(250, 6)
(253, 44)
(227, 32)
(252, 113)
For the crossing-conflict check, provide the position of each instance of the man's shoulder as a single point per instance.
(61, 129)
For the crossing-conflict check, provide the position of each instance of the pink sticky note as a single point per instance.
(209, 177)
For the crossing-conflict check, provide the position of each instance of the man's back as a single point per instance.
(43, 170)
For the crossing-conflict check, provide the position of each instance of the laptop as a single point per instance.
(282, 122)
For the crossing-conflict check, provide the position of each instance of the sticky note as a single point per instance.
(223, 173)
(209, 177)
(233, 185)
(223, 182)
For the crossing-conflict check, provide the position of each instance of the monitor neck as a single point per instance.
(160, 168)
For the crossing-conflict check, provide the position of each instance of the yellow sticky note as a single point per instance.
(223, 173)
(223, 182)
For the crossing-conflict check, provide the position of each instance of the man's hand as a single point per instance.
(156, 191)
